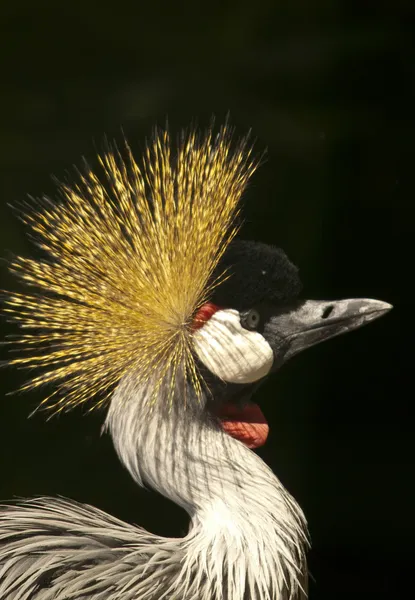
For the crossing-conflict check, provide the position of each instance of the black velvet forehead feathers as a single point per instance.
(257, 272)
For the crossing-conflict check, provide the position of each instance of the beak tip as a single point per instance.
(370, 310)
(378, 306)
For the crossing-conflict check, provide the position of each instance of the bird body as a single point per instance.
(247, 535)
(150, 304)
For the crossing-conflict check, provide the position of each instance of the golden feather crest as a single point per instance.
(129, 260)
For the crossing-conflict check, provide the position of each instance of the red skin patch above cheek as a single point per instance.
(203, 315)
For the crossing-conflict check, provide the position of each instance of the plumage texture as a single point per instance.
(129, 257)
(246, 540)
(247, 535)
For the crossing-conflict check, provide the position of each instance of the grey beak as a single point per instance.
(315, 321)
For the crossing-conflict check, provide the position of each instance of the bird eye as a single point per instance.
(251, 320)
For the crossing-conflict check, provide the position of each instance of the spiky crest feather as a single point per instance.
(129, 258)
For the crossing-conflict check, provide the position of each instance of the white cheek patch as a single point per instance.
(231, 352)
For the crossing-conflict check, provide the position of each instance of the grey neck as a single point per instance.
(242, 519)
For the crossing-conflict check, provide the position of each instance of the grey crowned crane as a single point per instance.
(144, 300)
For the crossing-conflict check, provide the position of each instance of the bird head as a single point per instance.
(142, 278)
(256, 322)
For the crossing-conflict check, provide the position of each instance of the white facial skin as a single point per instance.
(231, 352)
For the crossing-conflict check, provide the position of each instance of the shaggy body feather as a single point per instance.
(246, 540)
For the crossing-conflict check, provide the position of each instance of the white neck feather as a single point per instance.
(247, 534)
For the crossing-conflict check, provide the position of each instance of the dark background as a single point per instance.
(329, 89)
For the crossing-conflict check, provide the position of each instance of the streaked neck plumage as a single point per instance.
(247, 535)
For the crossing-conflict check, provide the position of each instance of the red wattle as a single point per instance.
(246, 424)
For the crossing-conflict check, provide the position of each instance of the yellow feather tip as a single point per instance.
(130, 254)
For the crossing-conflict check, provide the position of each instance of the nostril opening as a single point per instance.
(327, 311)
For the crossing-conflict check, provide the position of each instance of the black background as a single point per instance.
(329, 89)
